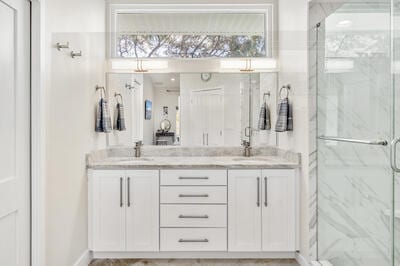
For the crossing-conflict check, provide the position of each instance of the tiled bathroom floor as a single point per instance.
(197, 262)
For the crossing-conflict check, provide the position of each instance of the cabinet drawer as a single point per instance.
(193, 216)
(193, 239)
(194, 194)
(193, 178)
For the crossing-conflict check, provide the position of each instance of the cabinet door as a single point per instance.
(142, 205)
(244, 205)
(108, 211)
(278, 211)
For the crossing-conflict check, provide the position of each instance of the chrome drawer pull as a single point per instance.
(193, 195)
(258, 192)
(120, 191)
(193, 240)
(193, 216)
(194, 177)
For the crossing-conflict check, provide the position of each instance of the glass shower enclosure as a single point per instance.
(358, 121)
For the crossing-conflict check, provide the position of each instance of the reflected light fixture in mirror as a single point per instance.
(267, 64)
(145, 64)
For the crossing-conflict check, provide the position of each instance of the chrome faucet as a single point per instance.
(138, 146)
(247, 148)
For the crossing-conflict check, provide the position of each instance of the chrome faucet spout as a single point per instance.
(138, 148)
(247, 148)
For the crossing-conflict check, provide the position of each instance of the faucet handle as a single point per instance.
(138, 143)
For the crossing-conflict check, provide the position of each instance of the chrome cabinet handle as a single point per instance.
(193, 177)
(120, 192)
(266, 191)
(193, 216)
(128, 184)
(193, 240)
(193, 195)
(258, 192)
(393, 155)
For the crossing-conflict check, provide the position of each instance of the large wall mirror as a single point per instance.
(191, 109)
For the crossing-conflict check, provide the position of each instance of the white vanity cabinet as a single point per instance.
(193, 213)
(262, 208)
(123, 210)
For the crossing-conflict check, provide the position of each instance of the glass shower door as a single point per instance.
(355, 124)
(396, 100)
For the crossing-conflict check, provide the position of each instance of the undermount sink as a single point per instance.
(131, 159)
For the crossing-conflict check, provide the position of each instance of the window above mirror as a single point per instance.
(200, 31)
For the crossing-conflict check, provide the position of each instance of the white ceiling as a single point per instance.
(163, 81)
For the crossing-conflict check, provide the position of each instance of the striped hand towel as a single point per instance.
(120, 118)
(282, 116)
(103, 119)
(264, 120)
(99, 127)
(261, 118)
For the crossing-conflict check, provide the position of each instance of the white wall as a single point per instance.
(293, 61)
(148, 125)
(70, 111)
(131, 98)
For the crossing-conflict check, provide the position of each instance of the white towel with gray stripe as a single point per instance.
(103, 119)
(284, 120)
(264, 120)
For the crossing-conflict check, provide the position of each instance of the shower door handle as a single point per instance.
(356, 141)
(393, 155)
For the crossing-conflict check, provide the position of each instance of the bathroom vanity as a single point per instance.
(193, 203)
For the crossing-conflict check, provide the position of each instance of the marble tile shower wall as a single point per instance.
(317, 13)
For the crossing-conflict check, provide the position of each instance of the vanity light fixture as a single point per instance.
(249, 65)
(138, 65)
(338, 65)
(247, 68)
(172, 79)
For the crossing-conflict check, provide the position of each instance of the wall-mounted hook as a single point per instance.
(287, 87)
(120, 96)
(266, 94)
(60, 46)
(74, 54)
(103, 90)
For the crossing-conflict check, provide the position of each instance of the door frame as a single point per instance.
(37, 133)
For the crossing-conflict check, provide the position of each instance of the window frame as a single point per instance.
(267, 9)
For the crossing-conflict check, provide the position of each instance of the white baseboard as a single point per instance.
(194, 255)
(84, 259)
(301, 260)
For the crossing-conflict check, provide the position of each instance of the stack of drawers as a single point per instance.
(193, 210)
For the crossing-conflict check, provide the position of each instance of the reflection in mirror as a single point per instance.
(197, 109)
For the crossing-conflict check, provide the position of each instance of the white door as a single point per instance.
(278, 211)
(142, 208)
(108, 211)
(198, 119)
(14, 133)
(244, 210)
(214, 109)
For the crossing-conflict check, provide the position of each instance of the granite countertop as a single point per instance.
(184, 158)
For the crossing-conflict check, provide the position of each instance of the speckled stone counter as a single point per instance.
(169, 157)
